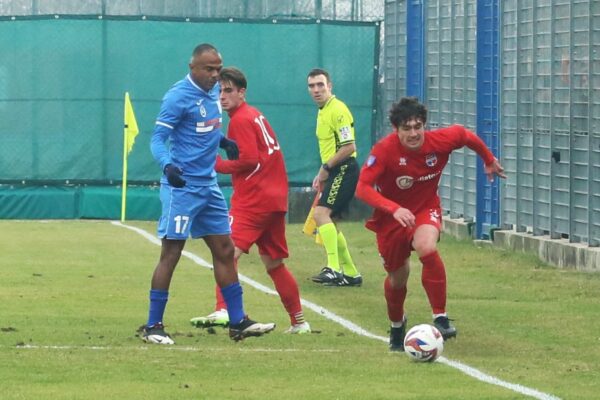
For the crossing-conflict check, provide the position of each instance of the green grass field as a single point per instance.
(73, 293)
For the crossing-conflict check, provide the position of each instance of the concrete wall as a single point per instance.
(557, 252)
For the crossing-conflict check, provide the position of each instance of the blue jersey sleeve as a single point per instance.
(170, 114)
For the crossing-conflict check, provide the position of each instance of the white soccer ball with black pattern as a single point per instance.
(423, 343)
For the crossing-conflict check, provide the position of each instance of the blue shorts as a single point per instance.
(195, 211)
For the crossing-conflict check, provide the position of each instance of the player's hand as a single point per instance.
(230, 147)
(404, 217)
(173, 175)
(494, 168)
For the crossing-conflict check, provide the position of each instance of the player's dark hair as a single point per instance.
(234, 76)
(319, 71)
(203, 48)
(406, 109)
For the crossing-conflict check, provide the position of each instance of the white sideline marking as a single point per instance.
(473, 372)
(172, 348)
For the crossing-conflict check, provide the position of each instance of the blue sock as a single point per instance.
(158, 302)
(235, 303)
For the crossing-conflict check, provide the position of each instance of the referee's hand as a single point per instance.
(173, 175)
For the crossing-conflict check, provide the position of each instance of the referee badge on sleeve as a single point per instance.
(345, 133)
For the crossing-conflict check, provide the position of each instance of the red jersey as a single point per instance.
(410, 179)
(258, 177)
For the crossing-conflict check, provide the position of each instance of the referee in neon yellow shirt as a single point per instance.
(336, 179)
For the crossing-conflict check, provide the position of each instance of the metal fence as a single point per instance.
(450, 92)
(341, 10)
(551, 134)
(542, 61)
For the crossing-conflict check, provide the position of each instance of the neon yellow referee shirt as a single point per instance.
(335, 128)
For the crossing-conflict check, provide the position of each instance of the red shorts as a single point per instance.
(266, 230)
(394, 242)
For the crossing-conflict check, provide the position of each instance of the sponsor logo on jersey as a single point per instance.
(431, 160)
(404, 182)
(208, 126)
(428, 176)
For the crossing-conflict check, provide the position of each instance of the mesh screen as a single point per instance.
(62, 88)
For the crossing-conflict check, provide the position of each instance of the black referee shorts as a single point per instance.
(340, 187)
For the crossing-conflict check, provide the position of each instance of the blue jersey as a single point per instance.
(191, 119)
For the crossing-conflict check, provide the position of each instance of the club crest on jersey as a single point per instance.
(402, 161)
(201, 107)
(404, 182)
(431, 160)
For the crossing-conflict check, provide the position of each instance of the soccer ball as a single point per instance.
(424, 343)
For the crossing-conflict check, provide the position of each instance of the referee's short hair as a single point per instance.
(234, 76)
(319, 71)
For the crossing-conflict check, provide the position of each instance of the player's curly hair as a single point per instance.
(405, 109)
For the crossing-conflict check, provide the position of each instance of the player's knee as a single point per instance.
(399, 277)
(227, 251)
(424, 247)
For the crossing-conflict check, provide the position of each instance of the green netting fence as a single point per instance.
(63, 79)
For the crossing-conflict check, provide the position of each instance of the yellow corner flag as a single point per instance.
(310, 225)
(130, 131)
(131, 127)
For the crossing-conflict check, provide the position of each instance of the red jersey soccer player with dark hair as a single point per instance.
(260, 198)
(406, 167)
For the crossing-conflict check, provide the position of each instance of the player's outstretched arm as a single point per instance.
(492, 165)
(494, 169)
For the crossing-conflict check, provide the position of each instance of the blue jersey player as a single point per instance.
(192, 203)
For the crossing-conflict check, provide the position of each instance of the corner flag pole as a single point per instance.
(130, 131)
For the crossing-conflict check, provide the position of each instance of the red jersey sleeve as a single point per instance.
(472, 141)
(242, 132)
(476, 144)
(373, 168)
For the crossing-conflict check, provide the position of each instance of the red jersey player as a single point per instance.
(406, 167)
(259, 201)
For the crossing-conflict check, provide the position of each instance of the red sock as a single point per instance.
(221, 305)
(433, 279)
(395, 300)
(287, 287)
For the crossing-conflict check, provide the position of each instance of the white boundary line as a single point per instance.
(171, 348)
(473, 372)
